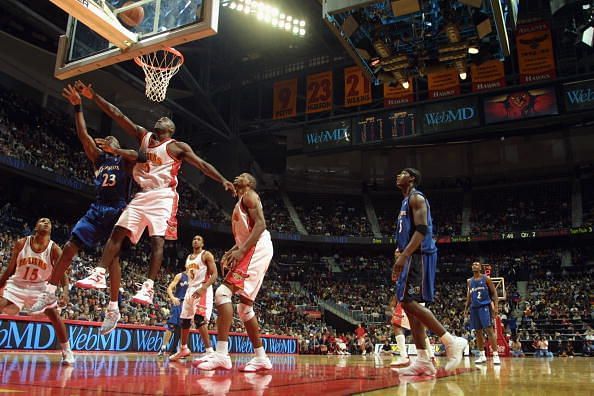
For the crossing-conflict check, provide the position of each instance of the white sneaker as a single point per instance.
(455, 352)
(44, 301)
(364, 353)
(257, 364)
(418, 367)
(181, 354)
(496, 359)
(95, 280)
(400, 361)
(481, 359)
(144, 296)
(203, 358)
(215, 361)
(68, 358)
(112, 317)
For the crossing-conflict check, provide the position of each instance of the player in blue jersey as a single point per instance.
(481, 297)
(414, 274)
(176, 292)
(113, 167)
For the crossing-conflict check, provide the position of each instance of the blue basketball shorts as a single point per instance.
(480, 317)
(174, 316)
(95, 226)
(417, 279)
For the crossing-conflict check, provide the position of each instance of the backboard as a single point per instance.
(102, 40)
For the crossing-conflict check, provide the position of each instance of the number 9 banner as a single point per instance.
(284, 103)
(319, 92)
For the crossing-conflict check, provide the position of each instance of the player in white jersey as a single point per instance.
(155, 207)
(197, 304)
(247, 261)
(31, 264)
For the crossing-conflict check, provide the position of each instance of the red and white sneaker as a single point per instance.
(215, 361)
(144, 296)
(400, 361)
(455, 353)
(418, 367)
(257, 364)
(181, 354)
(202, 358)
(95, 280)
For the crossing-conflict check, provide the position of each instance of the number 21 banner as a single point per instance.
(284, 103)
(357, 88)
(319, 92)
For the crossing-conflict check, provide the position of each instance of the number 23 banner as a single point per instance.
(319, 92)
(357, 88)
(284, 103)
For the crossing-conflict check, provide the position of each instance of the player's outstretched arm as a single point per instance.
(124, 122)
(127, 154)
(184, 152)
(12, 263)
(91, 149)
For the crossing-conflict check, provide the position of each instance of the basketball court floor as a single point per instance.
(146, 374)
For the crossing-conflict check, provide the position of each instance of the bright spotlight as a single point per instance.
(295, 30)
(281, 16)
(473, 50)
(233, 5)
(240, 7)
(405, 84)
(463, 75)
(302, 23)
(289, 18)
(287, 26)
(247, 9)
(302, 32)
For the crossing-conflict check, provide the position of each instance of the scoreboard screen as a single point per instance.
(384, 126)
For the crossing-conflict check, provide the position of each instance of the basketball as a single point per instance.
(132, 17)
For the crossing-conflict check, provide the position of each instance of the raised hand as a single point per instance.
(71, 95)
(84, 90)
(230, 187)
(105, 145)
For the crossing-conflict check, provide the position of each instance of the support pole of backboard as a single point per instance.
(99, 19)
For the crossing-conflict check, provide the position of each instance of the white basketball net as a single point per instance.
(158, 68)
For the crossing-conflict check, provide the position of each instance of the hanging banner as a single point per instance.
(520, 105)
(487, 75)
(443, 83)
(535, 52)
(284, 102)
(319, 92)
(395, 94)
(357, 88)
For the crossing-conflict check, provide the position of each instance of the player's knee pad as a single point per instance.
(199, 320)
(223, 295)
(245, 312)
(186, 323)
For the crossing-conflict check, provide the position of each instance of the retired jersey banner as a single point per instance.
(520, 105)
(487, 75)
(357, 88)
(535, 52)
(395, 94)
(284, 103)
(443, 83)
(319, 92)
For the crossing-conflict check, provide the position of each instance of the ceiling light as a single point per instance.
(287, 26)
(302, 23)
(281, 16)
(274, 22)
(463, 75)
(289, 18)
(295, 21)
(240, 7)
(247, 9)
(302, 32)
(233, 5)
(405, 84)
(473, 50)
(295, 30)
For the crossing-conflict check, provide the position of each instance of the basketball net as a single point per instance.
(159, 67)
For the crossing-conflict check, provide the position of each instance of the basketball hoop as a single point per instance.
(159, 67)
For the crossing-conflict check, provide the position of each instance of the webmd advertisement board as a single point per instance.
(24, 333)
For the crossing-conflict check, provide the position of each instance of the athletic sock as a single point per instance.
(209, 350)
(65, 345)
(260, 352)
(100, 270)
(401, 341)
(222, 347)
(429, 348)
(447, 339)
(150, 283)
(423, 355)
(113, 306)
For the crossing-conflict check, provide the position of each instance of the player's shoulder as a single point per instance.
(20, 243)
